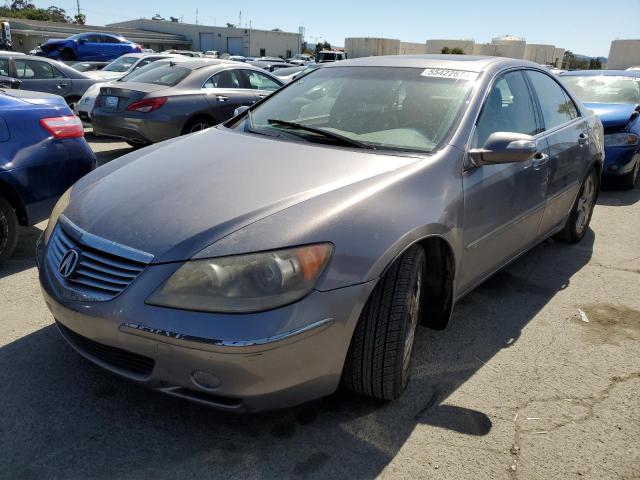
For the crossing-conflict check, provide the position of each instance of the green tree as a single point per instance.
(457, 51)
(595, 64)
(80, 18)
(445, 51)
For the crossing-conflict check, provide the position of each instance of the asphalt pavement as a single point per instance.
(536, 377)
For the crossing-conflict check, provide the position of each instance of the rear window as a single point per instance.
(167, 75)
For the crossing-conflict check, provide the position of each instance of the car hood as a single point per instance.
(613, 114)
(54, 41)
(173, 199)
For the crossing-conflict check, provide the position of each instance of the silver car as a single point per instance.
(177, 97)
(297, 247)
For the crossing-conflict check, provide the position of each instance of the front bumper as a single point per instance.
(242, 363)
(620, 160)
(138, 128)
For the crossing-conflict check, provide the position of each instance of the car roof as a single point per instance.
(607, 73)
(471, 63)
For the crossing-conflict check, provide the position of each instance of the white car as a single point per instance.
(119, 68)
(637, 67)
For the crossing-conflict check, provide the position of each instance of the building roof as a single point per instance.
(150, 22)
(22, 26)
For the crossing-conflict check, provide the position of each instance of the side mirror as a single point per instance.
(9, 82)
(240, 110)
(504, 147)
(82, 40)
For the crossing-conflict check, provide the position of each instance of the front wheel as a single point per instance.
(8, 230)
(197, 124)
(378, 362)
(580, 216)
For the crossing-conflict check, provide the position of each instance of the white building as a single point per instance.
(357, 47)
(233, 40)
(623, 54)
(436, 45)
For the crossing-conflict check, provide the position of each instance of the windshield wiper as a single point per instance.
(322, 132)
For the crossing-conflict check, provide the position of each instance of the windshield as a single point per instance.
(121, 65)
(604, 89)
(377, 107)
(328, 56)
(167, 74)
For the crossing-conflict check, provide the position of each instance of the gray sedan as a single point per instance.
(175, 98)
(297, 247)
(45, 75)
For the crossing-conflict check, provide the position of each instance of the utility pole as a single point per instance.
(78, 3)
(196, 16)
(240, 19)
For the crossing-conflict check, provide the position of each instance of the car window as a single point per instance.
(35, 70)
(168, 75)
(4, 66)
(260, 81)
(93, 38)
(224, 79)
(557, 108)
(508, 108)
(604, 88)
(407, 109)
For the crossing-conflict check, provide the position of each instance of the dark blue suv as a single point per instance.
(42, 153)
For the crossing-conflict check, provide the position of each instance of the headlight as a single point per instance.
(245, 283)
(620, 140)
(55, 214)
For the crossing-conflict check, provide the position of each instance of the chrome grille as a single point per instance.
(99, 275)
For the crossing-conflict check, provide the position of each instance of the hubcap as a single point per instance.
(585, 203)
(414, 312)
(199, 126)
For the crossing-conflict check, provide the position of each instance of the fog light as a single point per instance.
(205, 380)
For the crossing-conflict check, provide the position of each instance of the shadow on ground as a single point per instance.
(107, 153)
(24, 256)
(612, 195)
(65, 418)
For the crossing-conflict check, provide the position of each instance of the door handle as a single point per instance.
(222, 98)
(61, 85)
(540, 159)
(583, 139)
(262, 95)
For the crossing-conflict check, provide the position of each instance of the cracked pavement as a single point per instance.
(517, 387)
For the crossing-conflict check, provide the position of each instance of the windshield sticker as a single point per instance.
(448, 73)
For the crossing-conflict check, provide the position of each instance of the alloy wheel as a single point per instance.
(585, 204)
(196, 127)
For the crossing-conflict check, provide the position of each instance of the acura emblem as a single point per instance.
(68, 263)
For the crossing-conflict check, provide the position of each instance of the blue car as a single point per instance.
(615, 96)
(42, 153)
(90, 46)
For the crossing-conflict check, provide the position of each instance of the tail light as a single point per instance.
(148, 105)
(63, 127)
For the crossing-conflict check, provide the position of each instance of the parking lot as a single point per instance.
(537, 376)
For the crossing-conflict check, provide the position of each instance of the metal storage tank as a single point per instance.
(623, 54)
(539, 53)
(357, 47)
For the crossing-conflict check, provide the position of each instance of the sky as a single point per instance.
(586, 27)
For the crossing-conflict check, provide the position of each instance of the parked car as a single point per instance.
(88, 46)
(89, 66)
(236, 58)
(121, 69)
(269, 64)
(615, 96)
(178, 98)
(211, 53)
(186, 53)
(301, 59)
(44, 75)
(634, 68)
(258, 263)
(330, 56)
(289, 74)
(42, 153)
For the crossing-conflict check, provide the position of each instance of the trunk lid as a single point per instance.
(126, 93)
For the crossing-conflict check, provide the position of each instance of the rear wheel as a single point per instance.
(8, 230)
(197, 124)
(629, 180)
(378, 363)
(580, 216)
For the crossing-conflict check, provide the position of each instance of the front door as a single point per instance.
(503, 204)
(261, 83)
(225, 92)
(568, 138)
(41, 76)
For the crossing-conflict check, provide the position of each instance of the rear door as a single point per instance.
(90, 48)
(41, 76)
(503, 204)
(567, 135)
(226, 91)
(261, 84)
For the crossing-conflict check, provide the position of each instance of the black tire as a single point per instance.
(137, 145)
(68, 55)
(580, 217)
(378, 362)
(8, 230)
(197, 124)
(629, 180)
